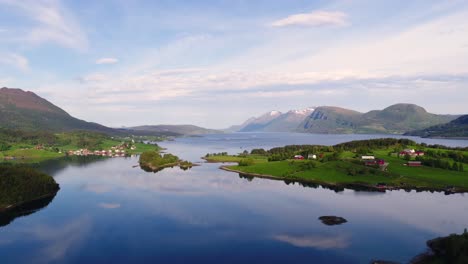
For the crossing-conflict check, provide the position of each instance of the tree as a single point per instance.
(460, 167)
(407, 156)
(455, 166)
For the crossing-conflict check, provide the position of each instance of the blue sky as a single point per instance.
(216, 63)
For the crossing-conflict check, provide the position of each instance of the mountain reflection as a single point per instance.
(26, 209)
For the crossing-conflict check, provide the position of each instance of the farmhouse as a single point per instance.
(414, 163)
(411, 152)
(298, 157)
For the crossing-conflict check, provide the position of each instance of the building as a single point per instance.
(411, 152)
(368, 158)
(414, 163)
(298, 157)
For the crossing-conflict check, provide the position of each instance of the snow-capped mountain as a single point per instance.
(276, 121)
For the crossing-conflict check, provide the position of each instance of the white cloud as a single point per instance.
(14, 60)
(107, 61)
(54, 23)
(313, 19)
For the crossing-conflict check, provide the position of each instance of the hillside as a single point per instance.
(395, 119)
(175, 130)
(23, 110)
(453, 129)
(329, 119)
(259, 123)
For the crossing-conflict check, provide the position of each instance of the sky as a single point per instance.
(217, 63)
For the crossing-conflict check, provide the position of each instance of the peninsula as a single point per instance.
(376, 164)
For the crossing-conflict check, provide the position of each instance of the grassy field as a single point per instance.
(25, 153)
(337, 172)
(232, 158)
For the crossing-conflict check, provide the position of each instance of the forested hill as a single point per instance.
(453, 129)
(22, 110)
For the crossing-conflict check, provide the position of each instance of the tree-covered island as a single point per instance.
(155, 161)
(21, 184)
(376, 164)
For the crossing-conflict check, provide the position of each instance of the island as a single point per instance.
(20, 185)
(332, 220)
(153, 161)
(451, 249)
(376, 164)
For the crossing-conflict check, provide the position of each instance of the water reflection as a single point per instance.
(108, 211)
(25, 209)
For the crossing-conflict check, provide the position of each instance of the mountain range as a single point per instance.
(24, 110)
(274, 121)
(395, 119)
(176, 130)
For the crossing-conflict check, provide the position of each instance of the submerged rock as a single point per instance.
(332, 220)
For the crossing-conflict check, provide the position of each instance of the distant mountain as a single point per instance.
(27, 111)
(289, 121)
(395, 119)
(275, 121)
(237, 128)
(175, 130)
(330, 119)
(453, 129)
(258, 123)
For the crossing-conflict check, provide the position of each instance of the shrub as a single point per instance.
(246, 162)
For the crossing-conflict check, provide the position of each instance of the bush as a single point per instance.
(246, 162)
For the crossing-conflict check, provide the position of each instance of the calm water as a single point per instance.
(109, 212)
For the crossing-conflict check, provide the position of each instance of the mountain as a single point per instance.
(27, 111)
(274, 121)
(258, 123)
(287, 122)
(395, 119)
(453, 129)
(236, 128)
(175, 130)
(330, 119)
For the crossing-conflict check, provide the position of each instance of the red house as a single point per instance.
(414, 163)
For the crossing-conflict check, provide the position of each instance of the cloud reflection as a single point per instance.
(317, 242)
(109, 205)
(58, 240)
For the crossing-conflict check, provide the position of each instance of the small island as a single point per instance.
(154, 161)
(332, 220)
(374, 165)
(450, 249)
(20, 185)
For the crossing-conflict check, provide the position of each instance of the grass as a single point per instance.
(337, 172)
(232, 158)
(28, 154)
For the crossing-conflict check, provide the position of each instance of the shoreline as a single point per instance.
(354, 186)
(169, 165)
(13, 206)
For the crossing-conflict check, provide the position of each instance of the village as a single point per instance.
(370, 160)
(115, 151)
(122, 150)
